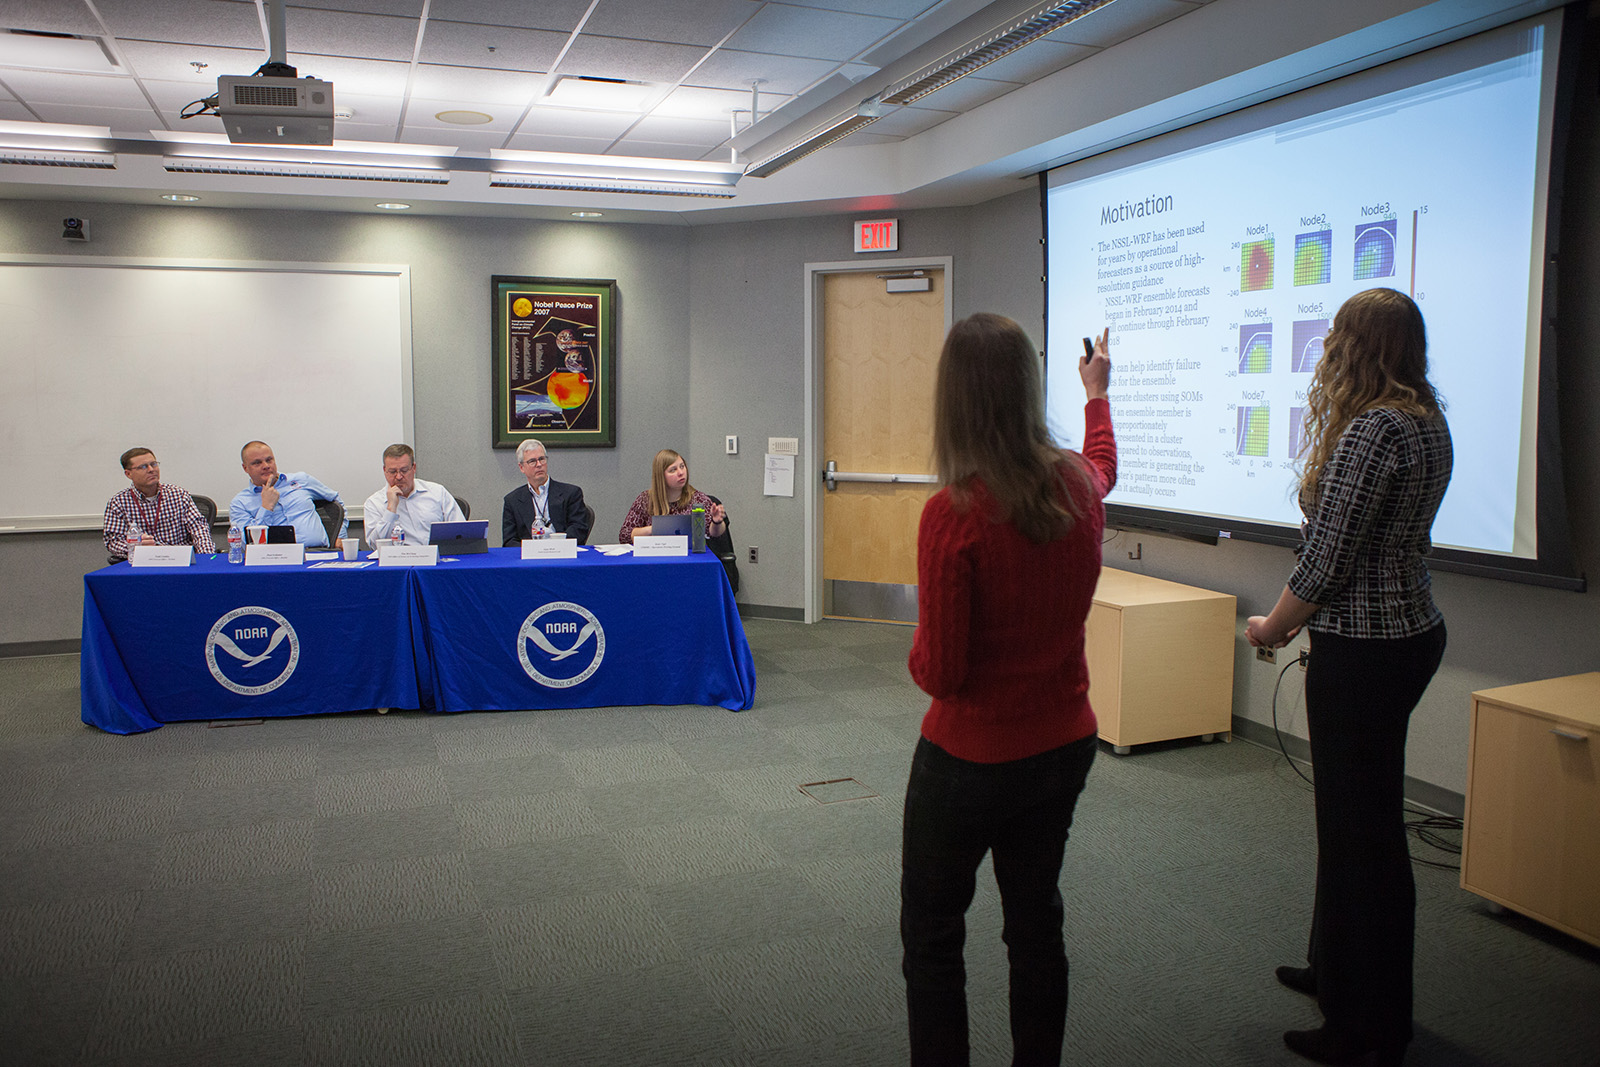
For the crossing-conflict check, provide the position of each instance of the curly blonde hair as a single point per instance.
(1374, 356)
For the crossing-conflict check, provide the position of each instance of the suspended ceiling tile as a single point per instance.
(1034, 61)
(701, 22)
(171, 97)
(733, 69)
(405, 8)
(366, 110)
(681, 131)
(894, 9)
(343, 33)
(1114, 23)
(51, 87)
(230, 23)
(466, 44)
(352, 130)
(471, 138)
(591, 146)
(425, 112)
(964, 94)
(660, 150)
(370, 77)
(174, 62)
(559, 15)
(619, 57)
(691, 102)
(570, 122)
(784, 29)
(129, 120)
(50, 16)
(476, 83)
(13, 111)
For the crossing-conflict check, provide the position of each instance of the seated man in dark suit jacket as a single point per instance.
(543, 503)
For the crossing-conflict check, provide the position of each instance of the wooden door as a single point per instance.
(880, 350)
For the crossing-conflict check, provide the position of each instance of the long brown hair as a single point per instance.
(989, 426)
(1375, 356)
(660, 502)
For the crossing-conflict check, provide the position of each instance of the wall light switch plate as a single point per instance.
(730, 444)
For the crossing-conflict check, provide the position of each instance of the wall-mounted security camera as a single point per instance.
(75, 229)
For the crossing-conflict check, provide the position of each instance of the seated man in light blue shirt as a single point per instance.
(275, 499)
(407, 502)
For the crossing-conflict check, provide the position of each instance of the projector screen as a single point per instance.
(1218, 255)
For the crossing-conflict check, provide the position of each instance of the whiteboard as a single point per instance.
(193, 359)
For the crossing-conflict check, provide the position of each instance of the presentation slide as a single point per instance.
(1219, 265)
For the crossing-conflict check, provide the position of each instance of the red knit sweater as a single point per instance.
(999, 642)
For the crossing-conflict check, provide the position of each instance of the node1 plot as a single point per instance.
(1375, 246)
(1255, 265)
(1313, 258)
(1308, 335)
(1252, 437)
(1255, 348)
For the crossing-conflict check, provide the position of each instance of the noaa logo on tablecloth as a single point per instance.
(250, 638)
(558, 634)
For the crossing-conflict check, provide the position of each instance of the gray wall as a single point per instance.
(713, 343)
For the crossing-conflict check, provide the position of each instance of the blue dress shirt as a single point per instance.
(297, 497)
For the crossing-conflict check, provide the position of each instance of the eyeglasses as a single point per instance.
(537, 461)
(141, 467)
(399, 470)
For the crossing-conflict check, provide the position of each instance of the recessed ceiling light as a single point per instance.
(464, 118)
(389, 206)
(179, 198)
(588, 214)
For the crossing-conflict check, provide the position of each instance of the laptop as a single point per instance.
(460, 538)
(671, 525)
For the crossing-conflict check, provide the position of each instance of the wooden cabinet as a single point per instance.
(1532, 839)
(1160, 659)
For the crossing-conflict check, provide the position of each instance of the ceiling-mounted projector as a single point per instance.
(272, 110)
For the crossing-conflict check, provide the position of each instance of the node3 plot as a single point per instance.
(1374, 249)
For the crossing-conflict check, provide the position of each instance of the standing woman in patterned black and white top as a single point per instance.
(1377, 464)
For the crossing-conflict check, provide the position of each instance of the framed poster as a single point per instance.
(554, 361)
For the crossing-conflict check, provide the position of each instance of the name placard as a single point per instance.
(274, 555)
(549, 548)
(408, 555)
(162, 556)
(661, 546)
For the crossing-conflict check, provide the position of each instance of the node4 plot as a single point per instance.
(1374, 249)
(1255, 265)
(1313, 258)
(1255, 348)
(1308, 335)
(1252, 438)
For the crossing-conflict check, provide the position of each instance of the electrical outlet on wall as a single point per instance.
(754, 551)
(1267, 655)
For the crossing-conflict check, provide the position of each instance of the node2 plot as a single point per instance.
(1313, 258)
(1255, 265)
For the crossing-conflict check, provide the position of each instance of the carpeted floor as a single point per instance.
(649, 886)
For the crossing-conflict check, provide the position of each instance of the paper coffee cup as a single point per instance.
(255, 535)
(351, 547)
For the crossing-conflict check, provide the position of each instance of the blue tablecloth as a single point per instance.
(221, 641)
(590, 632)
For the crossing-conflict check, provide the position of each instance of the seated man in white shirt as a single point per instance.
(407, 502)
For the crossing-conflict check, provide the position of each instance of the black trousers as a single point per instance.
(1359, 697)
(955, 812)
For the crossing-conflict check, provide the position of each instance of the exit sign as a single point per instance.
(877, 235)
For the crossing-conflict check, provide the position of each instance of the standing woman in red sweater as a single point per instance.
(1008, 555)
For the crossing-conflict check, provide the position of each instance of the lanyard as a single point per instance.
(147, 524)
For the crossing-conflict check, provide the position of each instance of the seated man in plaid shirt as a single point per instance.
(164, 514)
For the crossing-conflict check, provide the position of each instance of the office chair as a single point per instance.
(331, 512)
(466, 508)
(207, 508)
(721, 546)
(588, 511)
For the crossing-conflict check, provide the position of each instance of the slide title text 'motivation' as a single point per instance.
(1135, 209)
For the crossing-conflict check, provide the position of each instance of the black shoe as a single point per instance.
(1299, 979)
(1327, 1046)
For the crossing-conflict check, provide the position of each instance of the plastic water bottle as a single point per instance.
(399, 535)
(135, 535)
(697, 530)
(235, 545)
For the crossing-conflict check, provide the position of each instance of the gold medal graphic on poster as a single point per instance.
(522, 307)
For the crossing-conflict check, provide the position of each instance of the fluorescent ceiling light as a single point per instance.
(55, 51)
(627, 168)
(220, 141)
(580, 183)
(830, 132)
(600, 94)
(390, 205)
(302, 169)
(179, 198)
(1026, 28)
(52, 129)
(588, 214)
(44, 157)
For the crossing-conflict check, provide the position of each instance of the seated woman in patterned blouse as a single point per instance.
(670, 494)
